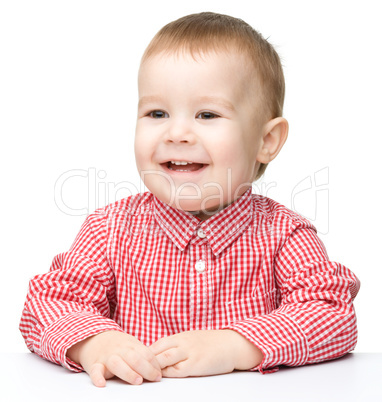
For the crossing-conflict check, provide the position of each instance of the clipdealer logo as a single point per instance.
(309, 197)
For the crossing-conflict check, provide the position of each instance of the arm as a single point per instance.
(67, 316)
(315, 320)
(74, 300)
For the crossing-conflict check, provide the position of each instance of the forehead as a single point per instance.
(230, 68)
(214, 77)
(200, 55)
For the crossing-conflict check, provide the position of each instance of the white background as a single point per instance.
(68, 100)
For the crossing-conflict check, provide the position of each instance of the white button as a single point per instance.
(200, 266)
(201, 233)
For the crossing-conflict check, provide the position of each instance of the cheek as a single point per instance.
(143, 149)
(138, 154)
(233, 154)
(242, 162)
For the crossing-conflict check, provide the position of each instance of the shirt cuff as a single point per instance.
(68, 330)
(280, 339)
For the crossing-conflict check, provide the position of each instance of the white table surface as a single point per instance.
(355, 377)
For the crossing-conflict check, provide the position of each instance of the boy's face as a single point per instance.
(204, 115)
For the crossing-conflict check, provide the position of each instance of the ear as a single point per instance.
(275, 133)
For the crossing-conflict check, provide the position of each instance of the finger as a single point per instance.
(178, 370)
(163, 344)
(154, 362)
(97, 375)
(145, 353)
(118, 366)
(151, 358)
(141, 365)
(171, 357)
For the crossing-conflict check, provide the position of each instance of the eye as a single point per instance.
(206, 115)
(158, 114)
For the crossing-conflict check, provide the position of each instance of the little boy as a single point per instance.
(198, 276)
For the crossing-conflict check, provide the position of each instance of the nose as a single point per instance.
(179, 131)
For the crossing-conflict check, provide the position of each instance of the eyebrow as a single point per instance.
(217, 100)
(149, 99)
(202, 99)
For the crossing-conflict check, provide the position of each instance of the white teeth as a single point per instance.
(180, 162)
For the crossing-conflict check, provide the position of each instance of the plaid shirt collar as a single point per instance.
(220, 230)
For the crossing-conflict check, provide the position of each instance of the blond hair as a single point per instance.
(206, 32)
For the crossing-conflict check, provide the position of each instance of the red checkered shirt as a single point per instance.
(150, 270)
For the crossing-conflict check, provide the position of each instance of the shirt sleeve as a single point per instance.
(74, 300)
(315, 318)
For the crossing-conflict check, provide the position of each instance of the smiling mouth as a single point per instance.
(183, 166)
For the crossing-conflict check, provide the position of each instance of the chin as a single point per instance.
(189, 201)
(187, 205)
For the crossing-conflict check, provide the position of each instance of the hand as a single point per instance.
(114, 353)
(202, 353)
